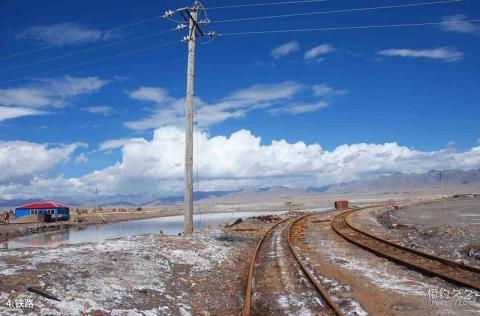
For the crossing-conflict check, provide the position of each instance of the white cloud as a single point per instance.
(451, 143)
(232, 162)
(171, 111)
(7, 112)
(222, 164)
(324, 90)
(300, 108)
(119, 143)
(285, 49)
(19, 160)
(103, 110)
(319, 50)
(44, 93)
(82, 158)
(64, 34)
(442, 53)
(456, 23)
(51, 92)
(154, 94)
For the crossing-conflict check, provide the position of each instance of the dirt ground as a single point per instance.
(449, 228)
(371, 285)
(205, 274)
(143, 275)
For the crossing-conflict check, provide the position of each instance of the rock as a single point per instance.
(238, 221)
(474, 254)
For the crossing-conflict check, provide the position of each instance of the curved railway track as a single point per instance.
(292, 230)
(453, 272)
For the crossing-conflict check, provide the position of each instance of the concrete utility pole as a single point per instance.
(96, 199)
(441, 185)
(190, 15)
(188, 202)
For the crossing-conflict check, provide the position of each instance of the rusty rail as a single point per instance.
(323, 292)
(248, 292)
(453, 272)
(308, 273)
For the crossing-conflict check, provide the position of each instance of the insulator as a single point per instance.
(168, 14)
(180, 27)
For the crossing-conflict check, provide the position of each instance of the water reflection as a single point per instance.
(170, 225)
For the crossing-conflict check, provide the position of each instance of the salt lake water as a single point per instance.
(169, 225)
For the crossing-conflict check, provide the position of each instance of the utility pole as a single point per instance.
(190, 16)
(442, 185)
(96, 199)
(188, 199)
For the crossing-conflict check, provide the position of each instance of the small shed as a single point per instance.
(341, 205)
(45, 211)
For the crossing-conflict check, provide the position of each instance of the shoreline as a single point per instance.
(15, 230)
(11, 231)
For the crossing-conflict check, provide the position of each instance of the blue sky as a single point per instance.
(417, 87)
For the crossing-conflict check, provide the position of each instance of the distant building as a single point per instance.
(45, 211)
(341, 205)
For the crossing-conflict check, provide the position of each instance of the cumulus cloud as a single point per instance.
(7, 112)
(442, 53)
(62, 34)
(318, 50)
(285, 49)
(456, 23)
(240, 160)
(20, 160)
(103, 110)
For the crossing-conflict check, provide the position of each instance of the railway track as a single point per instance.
(453, 272)
(276, 259)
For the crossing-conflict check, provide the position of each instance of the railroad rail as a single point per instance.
(453, 272)
(291, 231)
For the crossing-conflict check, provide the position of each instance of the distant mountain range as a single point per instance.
(394, 183)
(406, 182)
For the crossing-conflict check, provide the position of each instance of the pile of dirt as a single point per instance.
(266, 218)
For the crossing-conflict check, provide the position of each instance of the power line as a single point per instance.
(263, 4)
(346, 28)
(84, 51)
(93, 61)
(336, 11)
(105, 31)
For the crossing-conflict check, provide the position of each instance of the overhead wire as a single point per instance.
(262, 4)
(85, 51)
(380, 26)
(94, 61)
(104, 31)
(336, 11)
